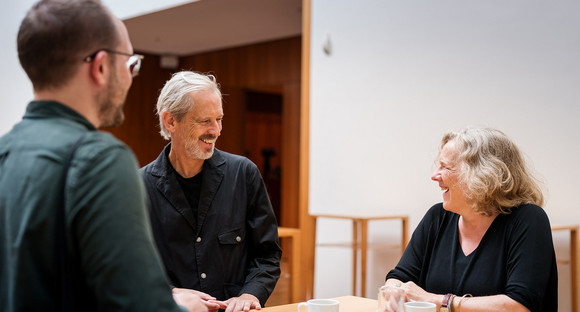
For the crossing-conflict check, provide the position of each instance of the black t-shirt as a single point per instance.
(191, 189)
(515, 257)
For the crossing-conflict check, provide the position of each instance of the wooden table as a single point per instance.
(347, 304)
(573, 229)
(361, 222)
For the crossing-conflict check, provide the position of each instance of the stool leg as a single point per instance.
(363, 257)
(405, 234)
(354, 254)
(574, 267)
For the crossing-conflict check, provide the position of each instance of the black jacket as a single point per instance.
(232, 245)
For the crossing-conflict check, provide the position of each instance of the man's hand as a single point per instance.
(245, 302)
(210, 303)
(192, 302)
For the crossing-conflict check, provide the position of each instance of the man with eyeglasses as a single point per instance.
(74, 228)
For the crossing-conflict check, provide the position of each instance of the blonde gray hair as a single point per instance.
(175, 96)
(492, 170)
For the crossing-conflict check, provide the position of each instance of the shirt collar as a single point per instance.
(52, 109)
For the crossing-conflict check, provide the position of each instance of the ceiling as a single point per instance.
(209, 25)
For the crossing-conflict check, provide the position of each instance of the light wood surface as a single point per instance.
(573, 229)
(360, 241)
(347, 304)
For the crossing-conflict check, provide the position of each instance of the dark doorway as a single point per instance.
(263, 139)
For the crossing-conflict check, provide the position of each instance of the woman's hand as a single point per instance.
(415, 293)
(393, 296)
(396, 293)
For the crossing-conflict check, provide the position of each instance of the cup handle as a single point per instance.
(302, 304)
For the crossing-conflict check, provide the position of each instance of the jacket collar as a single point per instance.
(167, 184)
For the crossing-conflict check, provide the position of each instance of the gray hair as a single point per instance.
(175, 96)
(493, 170)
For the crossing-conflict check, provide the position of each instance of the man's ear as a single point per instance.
(100, 67)
(169, 121)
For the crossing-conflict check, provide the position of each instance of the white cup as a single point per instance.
(319, 305)
(420, 307)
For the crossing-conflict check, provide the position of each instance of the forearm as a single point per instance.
(488, 303)
(460, 304)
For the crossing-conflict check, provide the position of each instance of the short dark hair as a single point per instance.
(55, 36)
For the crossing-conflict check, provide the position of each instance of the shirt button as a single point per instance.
(203, 275)
(198, 240)
(238, 239)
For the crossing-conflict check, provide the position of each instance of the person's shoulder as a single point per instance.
(232, 159)
(146, 171)
(229, 156)
(526, 211)
(528, 217)
(100, 139)
(98, 144)
(436, 210)
(437, 215)
(154, 166)
(4, 142)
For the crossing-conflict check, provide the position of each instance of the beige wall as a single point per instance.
(400, 74)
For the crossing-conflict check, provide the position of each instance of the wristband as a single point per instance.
(445, 303)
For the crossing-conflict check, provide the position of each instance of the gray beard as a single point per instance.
(193, 151)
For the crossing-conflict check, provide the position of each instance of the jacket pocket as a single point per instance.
(232, 237)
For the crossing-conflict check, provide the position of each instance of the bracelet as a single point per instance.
(461, 300)
(445, 303)
(451, 303)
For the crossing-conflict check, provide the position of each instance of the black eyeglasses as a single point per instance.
(133, 63)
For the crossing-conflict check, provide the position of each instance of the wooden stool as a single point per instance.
(361, 222)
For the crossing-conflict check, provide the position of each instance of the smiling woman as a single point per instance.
(448, 177)
(484, 237)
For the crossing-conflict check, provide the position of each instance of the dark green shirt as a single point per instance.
(107, 224)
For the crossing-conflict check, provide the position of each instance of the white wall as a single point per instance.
(402, 73)
(15, 88)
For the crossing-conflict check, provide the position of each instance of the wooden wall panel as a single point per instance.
(290, 157)
(264, 67)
